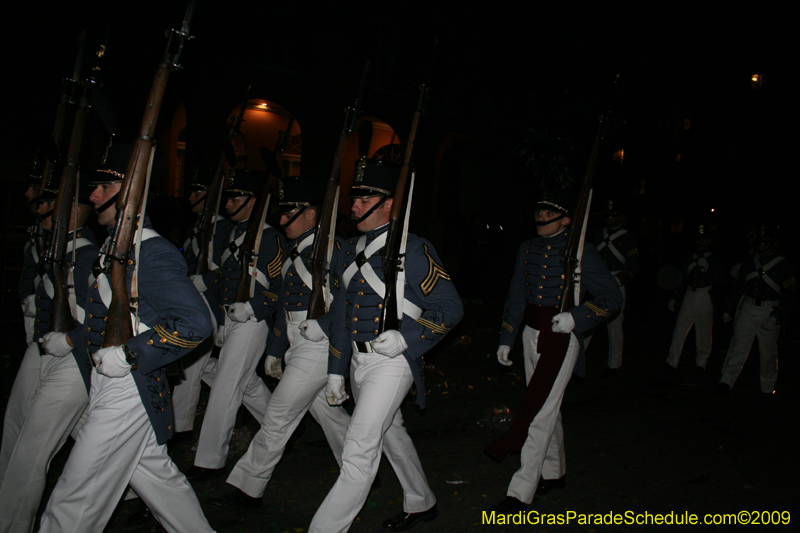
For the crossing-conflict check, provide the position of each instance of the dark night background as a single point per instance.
(696, 131)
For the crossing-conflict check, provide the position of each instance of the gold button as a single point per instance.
(377, 319)
(362, 281)
(361, 293)
(163, 340)
(544, 266)
(358, 306)
(150, 342)
(88, 329)
(160, 395)
(355, 319)
(380, 306)
(546, 255)
(89, 316)
(94, 286)
(169, 427)
(355, 331)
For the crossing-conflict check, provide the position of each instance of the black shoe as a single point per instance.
(547, 485)
(510, 505)
(197, 474)
(140, 517)
(181, 437)
(233, 502)
(405, 521)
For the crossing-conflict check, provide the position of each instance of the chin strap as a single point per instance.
(44, 216)
(231, 215)
(192, 206)
(546, 222)
(111, 201)
(371, 210)
(299, 212)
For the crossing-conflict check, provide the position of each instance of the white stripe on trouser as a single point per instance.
(542, 454)
(615, 335)
(301, 389)
(233, 381)
(45, 404)
(117, 447)
(186, 394)
(379, 386)
(746, 328)
(698, 311)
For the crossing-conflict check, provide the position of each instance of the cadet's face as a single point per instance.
(612, 221)
(196, 197)
(235, 203)
(378, 218)
(30, 192)
(300, 225)
(552, 228)
(101, 194)
(44, 207)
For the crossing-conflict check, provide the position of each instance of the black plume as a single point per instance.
(549, 158)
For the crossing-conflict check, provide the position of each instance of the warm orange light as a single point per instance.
(756, 77)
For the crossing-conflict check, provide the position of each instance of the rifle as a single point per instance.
(392, 260)
(319, 249)
(119, 328)
(574, 248)
(211, 205)
(255, 228)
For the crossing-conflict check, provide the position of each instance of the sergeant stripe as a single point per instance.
(336, 353)
(509, 327)
(435, 273)
(435, 327)
(175, 340)
(597, 310)
(274, 267)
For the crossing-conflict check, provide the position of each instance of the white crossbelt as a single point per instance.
(77, 311)
(371, 277)
(762, 271)
(610, 242)
(195, 246)
(693, 264)
(253, 270)
(299, 266)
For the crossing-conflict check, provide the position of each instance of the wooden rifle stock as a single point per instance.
(319, 248)
(211, 206)
(391, 258)
(118, 327)
(578, 224)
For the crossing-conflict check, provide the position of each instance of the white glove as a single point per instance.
(726, 317)
(29, 306)
(671, 305)
(56, 344)
(563, 323)
(334, 391)
(111, 362)
(272, 366)
(769, 323)
(241, 311)
(702, 264)
(219, 338)
(199, 284)
(502, 355)
(312, 331)
(390, 343)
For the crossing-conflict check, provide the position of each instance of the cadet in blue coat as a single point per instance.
(551, 343)
(763, 296)
(301, 387)
(195, 365)
(129, 418)
(49, 394)
(617, 246)
(383, 366)
(243, 336)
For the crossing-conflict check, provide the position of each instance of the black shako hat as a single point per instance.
(243, 182)
(201, 181)
(561, 200)
(297, 191)
(374, 177)
(113, 166)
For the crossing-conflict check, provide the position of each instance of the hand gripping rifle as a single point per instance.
(573, 251)
(325, 221)
(119, 328)
(393, 255)
(211, 205)
(60, 313)
(255, 229)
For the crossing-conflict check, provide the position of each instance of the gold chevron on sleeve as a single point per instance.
(276, 332)
(336, 281)
(435, 273)
(597, 310)
(274, 266)
(433, 326)
(174, 338)
(336, 353)
(508, 326)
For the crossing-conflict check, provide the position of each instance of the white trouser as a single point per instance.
(746, 328)
(379, 386)
(233, 380)
(615, 336)
(117, 447)
(45, 404)
(698, 311)
(302, 388)
(542, 454)
(186, 394)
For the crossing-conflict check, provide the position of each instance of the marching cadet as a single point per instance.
(383, 366)
(129, 418)
(302, 383)
(187, 392)
(49, 394)
(617, 248)
(764, 294)
(28, 277)
(551, 343)
(693, 297)
(243, 337)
